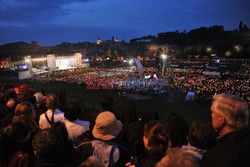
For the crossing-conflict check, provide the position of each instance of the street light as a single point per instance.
(164, 57)
(130, 61)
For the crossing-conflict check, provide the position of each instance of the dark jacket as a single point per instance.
(232, 150)
(150, 160)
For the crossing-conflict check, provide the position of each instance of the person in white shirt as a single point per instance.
(53, 114)
(75, 127)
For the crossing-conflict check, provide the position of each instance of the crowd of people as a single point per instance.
(51, 130)
(154, 82)
(205, 86)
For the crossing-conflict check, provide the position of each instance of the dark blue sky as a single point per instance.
(54, 21)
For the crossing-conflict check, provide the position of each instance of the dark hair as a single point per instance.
(52, 103)
(178, 129)
(73, 111)
(149, 115)
(24, 110)
(158, 136)
(23, 114)
(107, 103)
(201, 136)
(16, 131)
(48, 145)
(61, 95)
(61, 128)
(128, 115)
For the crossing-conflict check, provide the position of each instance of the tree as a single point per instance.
(240, 26)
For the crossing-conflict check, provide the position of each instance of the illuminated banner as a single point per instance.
(139, 65)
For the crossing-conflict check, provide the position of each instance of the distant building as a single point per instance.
(34, 43)
(99, 41)
(5, 63)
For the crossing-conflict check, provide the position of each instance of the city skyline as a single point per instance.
(53, 22)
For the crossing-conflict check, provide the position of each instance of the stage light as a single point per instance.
(164, 56)
(131, 62)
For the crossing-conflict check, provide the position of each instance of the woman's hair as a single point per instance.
(52, 103)
(73, 111)
(23, 111)
(48, 145)
(158, 136)
(201, 136)
(16, 132)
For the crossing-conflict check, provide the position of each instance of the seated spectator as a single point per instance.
(61, 95)
(177, 157)
(107, 104)
(53, 114)
(128, 116)
(48, 147)
(230, 119)
(178, 129)
(136, 133)
(106, 129)
(7, 112)
(156, 141)
(200, 139)
(69, 155)
(18, 151)
(39, 97)
(25, 113)
(75, 127)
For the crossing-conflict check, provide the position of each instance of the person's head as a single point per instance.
(156, 137)
(106, 103)
(229, 113)
(73, 111)
(177, 157)
(106, 127)
(39, 97)
(128, 115)
(149, 115)
(9, 93)
(201, 136)
(11, 104)
(178, 129)
(51, 102)
(48, 145)
(60, 127)
(24, 110)
(17, 132)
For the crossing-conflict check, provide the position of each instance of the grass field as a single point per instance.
(163, 104)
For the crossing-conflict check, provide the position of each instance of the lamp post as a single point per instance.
(164, 57)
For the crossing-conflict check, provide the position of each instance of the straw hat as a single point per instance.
(106, 126)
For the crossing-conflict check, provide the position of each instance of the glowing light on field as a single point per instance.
(131, 62)
(164, 56)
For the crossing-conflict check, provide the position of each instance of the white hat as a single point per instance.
(106, 126)
(39, 96)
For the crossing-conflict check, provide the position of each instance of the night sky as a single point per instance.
(54, 21)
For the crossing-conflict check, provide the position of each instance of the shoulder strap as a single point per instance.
(47, 118)
(111, 157)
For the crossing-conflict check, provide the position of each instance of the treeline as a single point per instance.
(235, 44)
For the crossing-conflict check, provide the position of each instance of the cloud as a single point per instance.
(32, 11)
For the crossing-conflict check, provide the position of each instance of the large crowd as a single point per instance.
(205, 86)
(51, 130)
(184, 80)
